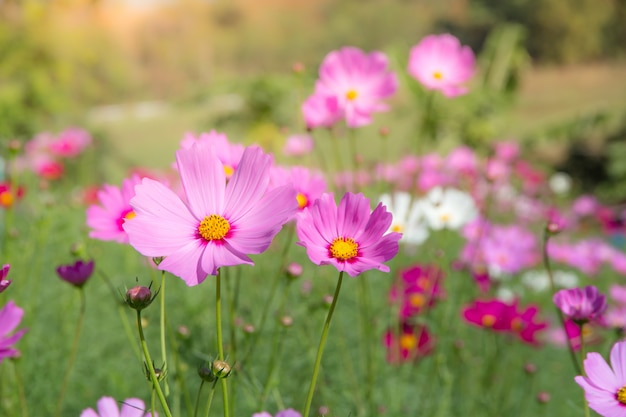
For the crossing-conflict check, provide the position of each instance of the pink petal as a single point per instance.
(10, 317)
(107, 407)
(186, 263)
(90, 412)
(222, 254)
(599, 373)
(618, 361)
(133, 407)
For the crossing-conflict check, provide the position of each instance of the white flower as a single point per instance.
(448, 208)
(407, 217)
(560, 183)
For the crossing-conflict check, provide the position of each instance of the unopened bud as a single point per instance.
(530, 368)
(297, 67)
(553, 228)
(294, 270)
(221, 369)
(383, 131)
(206, 374)
(139, 297)
(543, 397)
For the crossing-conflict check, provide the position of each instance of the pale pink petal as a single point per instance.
(618, 361)
(599, 372)
(186, 262)
(221, 254)
(90, 412)
(378, 223)
(10, 317)
(352, 215)
(133, 407)
(107, 407)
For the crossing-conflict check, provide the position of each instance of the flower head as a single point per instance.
(298, 145)
(106, 220)
(441, 63)
(77, 273)
(581, 304)
(107, 407)
(448, 208)
(605, 388)
(412, 342)
(70, 143)
(10, 317)
(220, 222)
(407, 217)
(9, 194)
(4, 283)
(350, 237)
(228, 153)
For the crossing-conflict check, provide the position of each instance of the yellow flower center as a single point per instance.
(621, 395)
(302, 200)
(6, 199)
(397, 228)
(444, 217)
(417, 300)
(351, 95)
(488, 320)
(130, 215)
(437, 75)
(213, 227)
(408, 341)
(229, 171)
(344, 248)
(517, 324)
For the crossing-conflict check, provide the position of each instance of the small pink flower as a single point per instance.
(219, 223)
(581, 304)
(70, 143)
(349, 237)
(106, 220)
(4, 283)
(439, 62)
(357, 81)
(107, 407)
(309, 184)
(412, 343)
(605, 388)
(298, 145)
(10, 317)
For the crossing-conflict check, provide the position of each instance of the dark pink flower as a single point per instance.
(581, 304)
(77, 273)
(70, 143)
(4, 283)
(411, 343)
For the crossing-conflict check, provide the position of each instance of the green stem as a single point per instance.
(153, 377)
(72, 358)
(210, 401)
(20, 389)
(162, 325)
(220, 347)
(320, 348)
(195, 411)
(367, 342)
(582, 360)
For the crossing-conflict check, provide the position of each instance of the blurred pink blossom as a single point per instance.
(298, 145)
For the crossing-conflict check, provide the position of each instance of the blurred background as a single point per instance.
(140, 73)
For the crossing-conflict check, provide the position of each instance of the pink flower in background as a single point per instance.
(290, 412)
(106, 220)
(419, 287)
(618, 293)
(349, 236)
(107, 407)
(357, 81)
(605, 388)
(308, 184)
(10, 317)
(412, 343)
(4, 283)
(525, 326)
(220, 222)
(46, 167)
(507, 151)
(581, 304)
(228, 153)
(491, 314)
(10, 194)
(298, 145)
(70, 143)
(441, 63)
(77, 273)
(321, 111)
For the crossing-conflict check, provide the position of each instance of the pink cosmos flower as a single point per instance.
(70, 143)
(77, 273)
(581, 304)
(228, 153)
(349, 237)
(439, 62)
(290, 412)
(10, 317)
(605, 388)
(107, 219)
(219, 223)
(419, 287)
(298, 145)
(107, 407)
(321, 111)
(308, 184)
(357, 81)
(412, 343)
(4, 283)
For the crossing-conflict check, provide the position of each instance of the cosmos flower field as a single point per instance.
(314, 281)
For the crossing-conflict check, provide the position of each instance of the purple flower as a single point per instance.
(4, 283)
(605, 388)
(580, 304)
(10, 317)
(77, 273)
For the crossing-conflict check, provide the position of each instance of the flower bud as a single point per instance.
(286, 321)
(206, 374)
(543, 397)
(530, 368)
(221, 369)
(294, 270)
(139, 297)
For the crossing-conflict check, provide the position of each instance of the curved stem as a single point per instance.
(320, 349)
(153, 377)
(72, 358)
(218, 325)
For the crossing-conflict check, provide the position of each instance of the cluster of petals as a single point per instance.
(407, 217)
(448, 208)
(309, 184)
(441, 63)
(289, 412)
(581, 304)
(10, 317)
(10, 194)
(418, 287)
(505, 317)
(352, 85)
(408, 343)
(219, 223)
(348, 236)
(106, 219)
(228, 153)
(604, 385)
(108, 407)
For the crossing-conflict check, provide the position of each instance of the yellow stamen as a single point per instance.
(408, 341)
(621, 395)
(229, 171)
(488, 320)
(213, 227)
(6, 199)
(130, 215)
(437, 75)
(397, 228)
(351, 95)
(344, 248)
(302, 200)
(445, 217)
(417, 300)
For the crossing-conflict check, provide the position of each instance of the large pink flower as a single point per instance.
(107, 218)
(357, 81)
(10, 317)
(439, 62)
(605, 388)
(219, 223)
(107, 407)
(349, 237)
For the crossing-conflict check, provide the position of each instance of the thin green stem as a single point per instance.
(582, 360)
(195, 411)
(20, 389)
(148, 359)
(320, 348)
(220, 345)
(367, 342)
(162, 325)
(210, 400)
(72, 357)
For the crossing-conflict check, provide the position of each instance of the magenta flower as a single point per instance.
(412, 343)
(77, 273)
(439, 62)
(581, 304)
(10, 317)
(219, 224)
(4, 283)
(357, 81)
(107, 219)
(605, 388)
(289, 412)
(70, 143)
(349, 237)
(107, 407)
